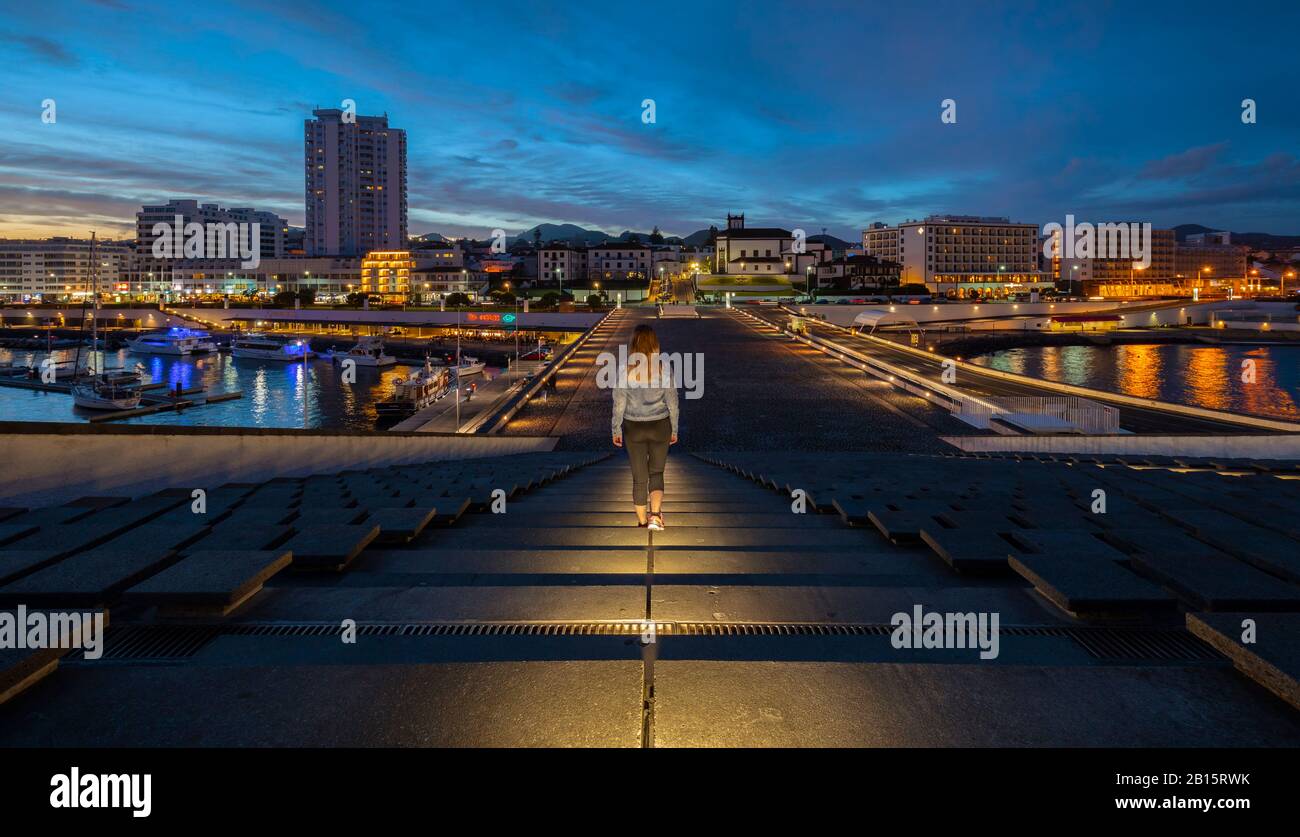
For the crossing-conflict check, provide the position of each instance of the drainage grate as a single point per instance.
(163, 643)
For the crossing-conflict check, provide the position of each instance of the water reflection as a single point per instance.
(1202, 376)
(272, 391)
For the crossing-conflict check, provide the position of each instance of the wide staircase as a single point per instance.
(763, 615)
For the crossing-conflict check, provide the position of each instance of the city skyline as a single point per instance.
(791, 120)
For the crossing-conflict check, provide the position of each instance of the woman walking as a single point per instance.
(645, 422)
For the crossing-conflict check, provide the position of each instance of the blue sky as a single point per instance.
(800, 114)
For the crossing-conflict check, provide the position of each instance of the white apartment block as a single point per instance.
(618, 260)
(962, 255)
(561, 263)
(356, 184)
(61, 270)
(271, 227)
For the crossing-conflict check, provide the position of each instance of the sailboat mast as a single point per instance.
(94, 298)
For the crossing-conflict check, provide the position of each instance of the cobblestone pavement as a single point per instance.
(759, 392)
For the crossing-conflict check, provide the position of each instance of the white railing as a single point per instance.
(1039, 414)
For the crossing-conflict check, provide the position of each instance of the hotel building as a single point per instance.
(1208, 264)
(356, 184)
(1117, 277)
(961, 255)
(60, 269)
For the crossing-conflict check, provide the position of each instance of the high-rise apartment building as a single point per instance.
(355, 169)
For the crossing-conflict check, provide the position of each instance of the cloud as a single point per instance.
(1183, 164)
(50, 51)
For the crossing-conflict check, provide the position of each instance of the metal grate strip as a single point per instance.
(163, 643)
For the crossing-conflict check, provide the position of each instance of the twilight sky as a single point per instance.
(800, 114)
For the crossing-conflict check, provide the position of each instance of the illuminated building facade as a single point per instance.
(961, 255)
(60, 269)
(387, 273)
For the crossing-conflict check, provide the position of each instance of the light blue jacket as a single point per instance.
(645, 403)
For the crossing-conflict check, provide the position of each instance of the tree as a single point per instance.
(594, 301)
(307, 296)
(912, 290)
(458, 299)
(355, 299)
(656, 237)
(504, 297)
(284, 298)
(550, 299)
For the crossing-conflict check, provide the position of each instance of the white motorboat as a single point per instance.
(468, 366)
(261, 346)
(172, 341)
(369, 351)
(416, 391)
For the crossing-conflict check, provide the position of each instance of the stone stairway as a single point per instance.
(558, 622)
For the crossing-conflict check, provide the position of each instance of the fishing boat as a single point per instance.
(416, 391)
(369, 351)
(99, 391)
(172, 341)
(260, 346)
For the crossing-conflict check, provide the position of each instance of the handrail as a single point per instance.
(1096, 394)
(512, 407)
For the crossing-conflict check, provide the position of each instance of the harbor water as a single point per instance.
(1257, 380)
(273, 391)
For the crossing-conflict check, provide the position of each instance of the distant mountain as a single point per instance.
(571, 233)
(574, 234)
(831, 242)
(1265, 241)
(1183, 230)
(697, 239)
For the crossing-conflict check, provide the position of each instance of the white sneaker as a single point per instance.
(656, 523)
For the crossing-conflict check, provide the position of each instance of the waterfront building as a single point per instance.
(1207, 265)
(1118, 277)
(330, 278)
(962, 255)
(387, 274)
(355, 172)
(857, 272)
(60, 269)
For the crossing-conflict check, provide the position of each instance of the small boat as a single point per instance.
(172, 341)
(468, 366)
(261, 346)
(100, 393)
(369, 351)
(416, 391)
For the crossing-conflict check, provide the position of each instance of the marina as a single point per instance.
(272, 390)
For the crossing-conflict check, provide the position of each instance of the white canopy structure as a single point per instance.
(873, 318)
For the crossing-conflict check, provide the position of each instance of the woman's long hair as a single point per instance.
(643, 354)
